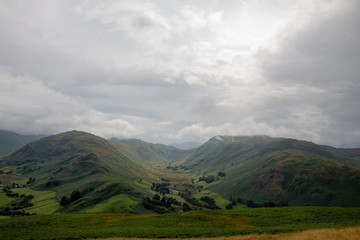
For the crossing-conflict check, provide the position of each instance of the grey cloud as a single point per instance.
(179, 70)
(323, 56)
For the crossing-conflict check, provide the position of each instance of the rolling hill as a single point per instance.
(85, 173)
(148, 153)
(77, 161)
(262, 169)
(10, 141)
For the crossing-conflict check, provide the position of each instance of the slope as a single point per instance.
(10, 141)
(262, 169)
(148, 153)
(77, 162)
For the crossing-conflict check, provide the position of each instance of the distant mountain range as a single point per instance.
(10, 141)
(264, 168)
(256, 168)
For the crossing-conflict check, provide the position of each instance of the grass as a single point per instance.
(11, 178)
(44, 201)
(4, 200)
(115, 204)
(143, 184)
(180, 225)
(318, 234)
(20, 181)
(220, 200)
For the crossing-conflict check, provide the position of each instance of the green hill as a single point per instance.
(10, 141)
(148, 153)
(262, 169)
(80, 172)
(74, 162)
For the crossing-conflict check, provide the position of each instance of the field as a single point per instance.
(220, 201)
(322, 234)
(9, 178)
(179, 225)
(4, 199)
(115, 204)
(44, 201)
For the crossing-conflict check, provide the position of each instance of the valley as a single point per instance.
(80, 172)
(235, 177)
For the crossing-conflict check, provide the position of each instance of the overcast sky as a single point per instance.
(171, 71)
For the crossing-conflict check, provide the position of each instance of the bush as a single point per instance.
(229, 206)
(250, 203)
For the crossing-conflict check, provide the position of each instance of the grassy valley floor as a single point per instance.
(198, 224)
(318, 234)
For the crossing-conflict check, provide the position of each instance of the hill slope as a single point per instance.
(10, 141)
(148, 153)
(77, 161)
(262, 168)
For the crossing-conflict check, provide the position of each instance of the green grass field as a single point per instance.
(44, 201)
(220, 200)
(180, 225)
(4, 200)
(115, 204)
(10, 178)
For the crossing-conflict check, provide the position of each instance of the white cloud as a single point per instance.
(27, 106)
(149, 68)
(246, 127)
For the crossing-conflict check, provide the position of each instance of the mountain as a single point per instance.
(262, 168)
(77, 161)
(10, 141)
(186, 145)
(148, 153)
(86, 173)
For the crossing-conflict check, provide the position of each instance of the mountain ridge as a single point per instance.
(258, 168)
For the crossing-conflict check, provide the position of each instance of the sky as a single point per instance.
(169, 71)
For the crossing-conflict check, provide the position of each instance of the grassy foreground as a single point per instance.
(181, 225)
(320, 234)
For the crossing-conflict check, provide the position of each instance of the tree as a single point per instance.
(156, 197)
(75, 195)
(229, 206)
(186, 207)
(64, 201)
(283, 204)
(250, 203)
(269, 204)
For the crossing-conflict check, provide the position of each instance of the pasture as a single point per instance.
(179, 225)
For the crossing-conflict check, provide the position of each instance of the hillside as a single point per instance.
(262, 169)
(10, 141)
(76, 161)
(80, 172)
(148, 153)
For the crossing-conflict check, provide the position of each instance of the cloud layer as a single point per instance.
(173, 71)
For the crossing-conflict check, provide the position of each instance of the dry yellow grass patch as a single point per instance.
(321, 234)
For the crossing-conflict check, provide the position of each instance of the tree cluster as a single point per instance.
(252, 204)
(160, 204)
(210, 201)
(74, 196)
(53, 183)
(207, 179)
(16, 206)
(31, 180)
(161, 188)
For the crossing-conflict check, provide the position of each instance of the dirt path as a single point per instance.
(322, 234)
